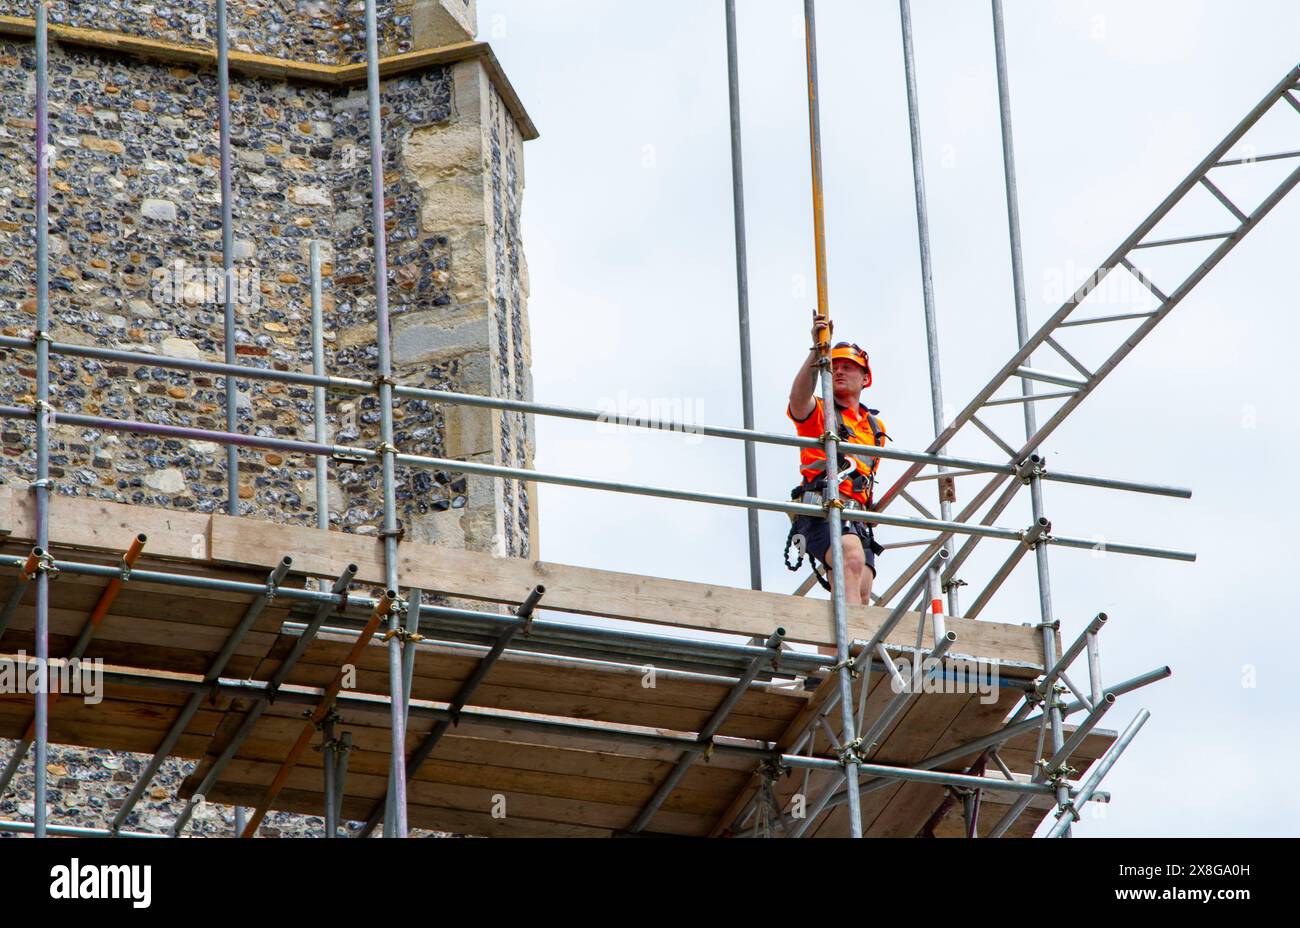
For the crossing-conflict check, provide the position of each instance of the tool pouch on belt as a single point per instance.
(803, 490)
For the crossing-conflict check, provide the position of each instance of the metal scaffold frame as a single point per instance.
(845, 771)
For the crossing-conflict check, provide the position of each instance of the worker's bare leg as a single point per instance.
(856, 573)
(857, 576)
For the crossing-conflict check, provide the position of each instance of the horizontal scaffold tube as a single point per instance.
(550, 647)
(470, 717)
(74, 831)
(518, 473)
(357, 385)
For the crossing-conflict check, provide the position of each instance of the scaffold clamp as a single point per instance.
(1068, 807)
(1030, 468)
(45, 565)
(1037, 533)
(330, 717)
(402, 634)
(1058, 775)
(849, 663)
(849, 753)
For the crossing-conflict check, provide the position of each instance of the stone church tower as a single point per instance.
(135, 238)
(135, 225)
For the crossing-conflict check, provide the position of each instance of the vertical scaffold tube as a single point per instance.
(927, 276)
(43, 411)
(398, 769)
(329, 758)
(742, 292)
(227, 253)
(318, 393)
(1026, 385)
(833, 502)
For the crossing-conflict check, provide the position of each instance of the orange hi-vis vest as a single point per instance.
(859, 426)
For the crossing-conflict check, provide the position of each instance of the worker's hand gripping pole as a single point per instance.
(822, 330)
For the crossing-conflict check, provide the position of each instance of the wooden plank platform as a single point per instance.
(551, 782)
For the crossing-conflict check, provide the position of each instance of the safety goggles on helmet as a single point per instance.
(852, 352)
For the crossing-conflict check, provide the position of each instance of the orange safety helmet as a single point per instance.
(851, 352)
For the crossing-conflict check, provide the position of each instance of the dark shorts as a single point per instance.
(816, 532)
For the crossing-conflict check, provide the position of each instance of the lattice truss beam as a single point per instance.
(1158, 264)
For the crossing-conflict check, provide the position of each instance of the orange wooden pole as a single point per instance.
(105, 602)
(382, 609)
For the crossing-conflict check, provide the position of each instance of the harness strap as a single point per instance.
(861, 483)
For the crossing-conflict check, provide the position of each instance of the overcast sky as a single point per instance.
(628, 231)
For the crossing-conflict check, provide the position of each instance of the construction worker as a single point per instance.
(851, 374)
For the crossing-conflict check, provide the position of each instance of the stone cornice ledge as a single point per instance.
(284, 68)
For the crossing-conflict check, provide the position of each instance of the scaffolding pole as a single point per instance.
(355, 386)
(327, 602)
(329, 761)
(342, 753)
(390, 532)
(1069, 812)
(227, 252)
(26, 571)
(182, 721)
(228, 288)
(323, 708)
(946, 486)
(41, 486)
(1049, 624)
(518, 473)
(102, 605)
(320, 424)
(604, 732)
(1017, 725)
(710, 728)
(742, 291)
(523, 617)
(833, 505)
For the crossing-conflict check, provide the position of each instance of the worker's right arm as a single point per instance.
(805, 382)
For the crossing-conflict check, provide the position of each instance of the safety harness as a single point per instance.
(814, 491)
